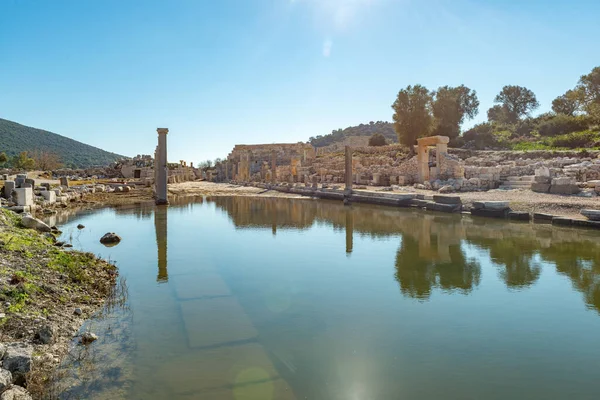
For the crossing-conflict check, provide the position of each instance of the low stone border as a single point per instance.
(441, 203)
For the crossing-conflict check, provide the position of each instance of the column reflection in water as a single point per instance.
(349, 231)
(160, 226)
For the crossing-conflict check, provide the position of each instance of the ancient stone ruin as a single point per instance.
(434, 167)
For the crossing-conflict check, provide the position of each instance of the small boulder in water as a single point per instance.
(80, 226)
(88, 337)
(110, 239)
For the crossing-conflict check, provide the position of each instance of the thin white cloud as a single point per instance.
(327, 45)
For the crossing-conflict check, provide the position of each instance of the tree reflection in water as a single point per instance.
(418, 272)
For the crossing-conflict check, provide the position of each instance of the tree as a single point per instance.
(517, 101)
(590, 86)
(412, 114)
(589, 89)
(377, 139)
(23, 161)
(450, 108)
(46, 161)
(569, 103)
(205, 164)
(3, 158)
(499, 114)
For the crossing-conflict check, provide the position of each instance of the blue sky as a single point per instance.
(223, 72)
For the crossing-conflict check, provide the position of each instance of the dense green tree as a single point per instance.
(568, 103)
(377, 139)
(452, 105)
(590, 86)
(412, 114)
(23, 161)
(3, 158)
(589, 89)
(517, 102)
(498, 113)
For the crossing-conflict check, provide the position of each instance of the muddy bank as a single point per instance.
(46, 293)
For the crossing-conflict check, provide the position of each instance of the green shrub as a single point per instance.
(575, 140)
(561, 124)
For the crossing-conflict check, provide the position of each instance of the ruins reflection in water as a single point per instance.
(435, 251)
(432, 247)
(389, 298)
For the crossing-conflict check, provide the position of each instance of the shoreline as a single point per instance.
(47, 294)
(522, 201)
(519, 200)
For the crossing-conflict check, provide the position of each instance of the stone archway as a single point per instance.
(441, 145)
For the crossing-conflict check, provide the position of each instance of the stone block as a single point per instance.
(64, 181)
(562, 221)
(542, 172)
(9, 186)
(542, 179)
(49, 196)
(491, 213)
(519, 215)
(449, 208)
(30, 181)
(24, 197)
(446, 199)
(542, 217)
(564, 189)
(491, 205)
(540, 187)
(593, 215)
(211, 322)
(564, 180)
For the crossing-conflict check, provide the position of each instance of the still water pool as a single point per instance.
(276, 299)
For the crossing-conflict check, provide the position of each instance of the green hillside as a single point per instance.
(15, 138)
(385, 128)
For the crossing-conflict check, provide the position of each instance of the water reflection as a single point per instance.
(265, 282)
(160, 226)
(431, 253)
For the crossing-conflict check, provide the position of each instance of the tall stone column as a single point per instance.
(423, 162)
(273, 167)
(348, 176)
(160, 164)
(227, 171)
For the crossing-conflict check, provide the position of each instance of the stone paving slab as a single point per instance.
(193, 286)
(211, 322)
(229, 372)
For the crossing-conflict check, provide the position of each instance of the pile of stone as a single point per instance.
(545, 183)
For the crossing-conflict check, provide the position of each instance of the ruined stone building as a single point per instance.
(285, 162)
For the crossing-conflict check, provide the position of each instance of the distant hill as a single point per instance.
(385, 128)
(15, 138)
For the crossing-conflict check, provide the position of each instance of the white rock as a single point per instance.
(15, 393)
(33, 223)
